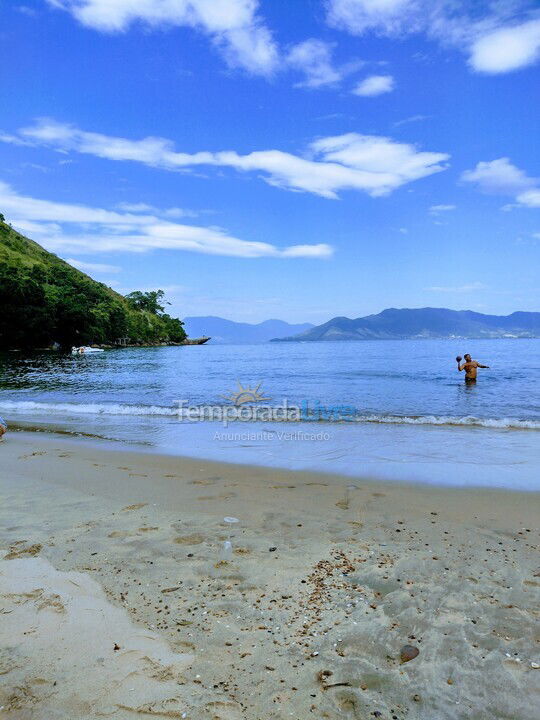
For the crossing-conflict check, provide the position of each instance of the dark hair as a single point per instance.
(467, 355)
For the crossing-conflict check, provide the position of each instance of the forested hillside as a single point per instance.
(44, 300)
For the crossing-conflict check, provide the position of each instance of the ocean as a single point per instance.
(394, 410)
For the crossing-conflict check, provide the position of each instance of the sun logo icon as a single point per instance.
(246, 395)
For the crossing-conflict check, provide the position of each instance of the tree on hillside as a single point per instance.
(149, 301)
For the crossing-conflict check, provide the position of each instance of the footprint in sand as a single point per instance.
(224, 710)
(193, 539)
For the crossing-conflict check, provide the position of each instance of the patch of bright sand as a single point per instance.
(69, 653)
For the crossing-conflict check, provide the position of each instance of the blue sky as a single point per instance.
(264, 159)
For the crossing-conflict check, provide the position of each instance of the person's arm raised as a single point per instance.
(459, 366)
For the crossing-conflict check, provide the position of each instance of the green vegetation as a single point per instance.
(45, 300)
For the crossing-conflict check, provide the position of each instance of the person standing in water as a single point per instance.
(470, 366)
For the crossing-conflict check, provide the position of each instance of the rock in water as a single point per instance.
(408, 652)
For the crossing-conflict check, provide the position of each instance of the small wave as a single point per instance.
(27, 406)
(32, 408)
(469, 420)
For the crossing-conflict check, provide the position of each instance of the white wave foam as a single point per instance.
(27, 406)
(31, 407)
(499, 423)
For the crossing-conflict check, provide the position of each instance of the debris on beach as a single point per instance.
(408, 653)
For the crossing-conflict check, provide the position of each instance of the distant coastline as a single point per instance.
(423, 323)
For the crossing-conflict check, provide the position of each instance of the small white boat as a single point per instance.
(85, 350)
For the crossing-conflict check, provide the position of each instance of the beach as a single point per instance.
(337, 597)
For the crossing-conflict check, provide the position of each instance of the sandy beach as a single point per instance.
(339, 598)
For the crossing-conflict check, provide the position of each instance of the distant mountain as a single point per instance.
(395, 324)
(227, 331)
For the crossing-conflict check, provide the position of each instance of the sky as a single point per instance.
(293, 159)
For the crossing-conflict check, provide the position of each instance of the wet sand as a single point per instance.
(118, 599)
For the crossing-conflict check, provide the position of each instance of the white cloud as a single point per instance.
(384, 16)
(173, 212)
(507, 49)
(314, 59)
(499, 177)
(487, 32)
(530, 198)
(374, 85)
(436, 209)
(233, 25)
(83, 229)
(93, 267)
(373, 164)
(411, 119)
(35, 228)
(502, 177)
(471, 287)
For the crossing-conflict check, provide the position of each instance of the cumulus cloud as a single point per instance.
(373, 164)
(530, 198)
(374, 85)
(488, 32)
(499, 177)
(507, 49)
(83, 229)
(233, 25)
(502, 177)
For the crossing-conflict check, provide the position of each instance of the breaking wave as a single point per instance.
(96, 409)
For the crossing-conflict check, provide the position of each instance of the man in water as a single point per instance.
(470, 366)
(3, 427)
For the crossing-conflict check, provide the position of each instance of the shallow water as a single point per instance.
(409, 413)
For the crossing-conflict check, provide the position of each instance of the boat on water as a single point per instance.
(85, 350)
(195, 341)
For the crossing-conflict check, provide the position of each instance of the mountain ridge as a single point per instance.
(410, 323)
(223, 331)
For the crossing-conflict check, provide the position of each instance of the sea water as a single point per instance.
(409, 415)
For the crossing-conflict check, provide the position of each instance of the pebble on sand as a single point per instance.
(408, 652)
